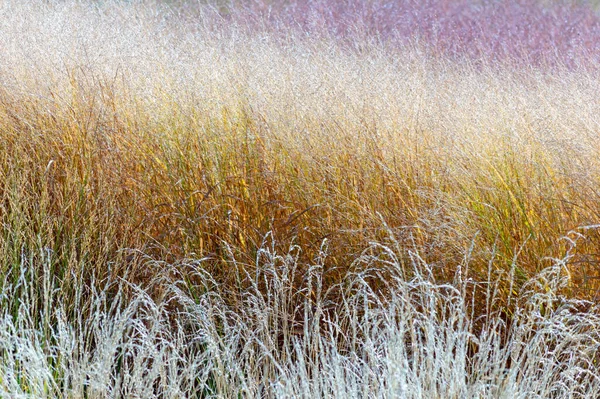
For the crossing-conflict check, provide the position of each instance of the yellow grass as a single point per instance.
(128, 132)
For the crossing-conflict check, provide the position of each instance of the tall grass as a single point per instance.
(227, 201)
(418, 341)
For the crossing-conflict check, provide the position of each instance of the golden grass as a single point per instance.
(135, 135)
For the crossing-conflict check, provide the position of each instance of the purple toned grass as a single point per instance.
(522, 31)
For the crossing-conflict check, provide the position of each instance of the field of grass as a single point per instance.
(299, 199)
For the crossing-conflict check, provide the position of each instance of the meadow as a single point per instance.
(306, 198)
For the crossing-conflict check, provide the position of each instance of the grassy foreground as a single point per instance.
(298, 201)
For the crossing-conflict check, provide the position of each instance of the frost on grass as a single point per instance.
(419, 340)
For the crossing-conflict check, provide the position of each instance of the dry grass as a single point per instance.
(419, 341)
(137, 137)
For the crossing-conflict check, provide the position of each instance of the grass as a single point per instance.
(204, 202)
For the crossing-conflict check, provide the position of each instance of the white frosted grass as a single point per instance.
(421, 342)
